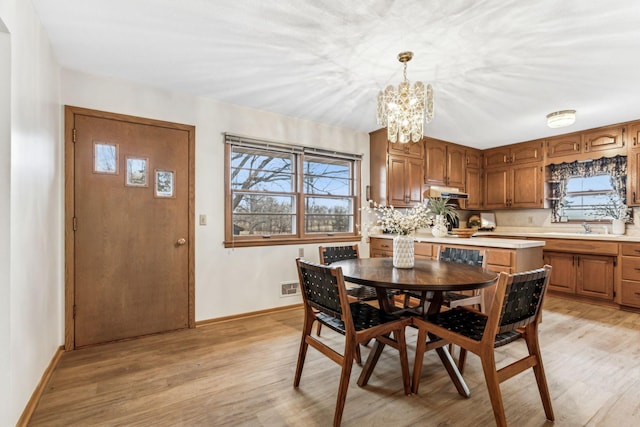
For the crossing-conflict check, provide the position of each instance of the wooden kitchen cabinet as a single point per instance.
(606, 141)
(444, 164)
(474, 188)
(404, 181)
(396, 171)
(633, 166)
(517, 186)
(582, 267)
(582, 274)
(630, 275)
(380, 247)
(515, 154)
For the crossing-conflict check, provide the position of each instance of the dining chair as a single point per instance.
(324, 291)
(514, 313)
(331, 254)
(452, 299)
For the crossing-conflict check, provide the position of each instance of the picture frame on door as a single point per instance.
(165, 184)
(137, 171)
(105, 158)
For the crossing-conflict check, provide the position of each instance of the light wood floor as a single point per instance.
(240, 373)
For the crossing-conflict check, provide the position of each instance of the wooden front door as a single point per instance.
(129, 231)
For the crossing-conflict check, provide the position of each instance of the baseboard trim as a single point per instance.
(37, 393)
(246, 315)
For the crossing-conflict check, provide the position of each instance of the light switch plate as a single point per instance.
(203, 219)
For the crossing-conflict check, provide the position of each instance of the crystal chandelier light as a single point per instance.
(403, 111)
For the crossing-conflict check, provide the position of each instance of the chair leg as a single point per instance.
(357, 355)
(318, 328)
(421, 345)
(404, 359)
(309, 318)
(462, 359)
(493, 386)
(531, 338)
(347, 364)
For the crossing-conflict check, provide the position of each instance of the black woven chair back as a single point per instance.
(462, 256)
(331, 254)
(320, 287)
(523, 296)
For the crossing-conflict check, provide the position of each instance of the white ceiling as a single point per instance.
(497, 66)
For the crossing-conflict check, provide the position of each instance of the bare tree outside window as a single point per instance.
(279, 194)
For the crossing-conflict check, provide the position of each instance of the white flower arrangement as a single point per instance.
(394, 221)
(615, 209)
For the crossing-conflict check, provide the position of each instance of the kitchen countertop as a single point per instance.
(561, 235)
(488, 242)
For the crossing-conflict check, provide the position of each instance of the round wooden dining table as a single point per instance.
(435, 277)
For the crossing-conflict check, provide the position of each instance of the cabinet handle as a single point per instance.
(638, 294)
(634, 197)
(635, 140)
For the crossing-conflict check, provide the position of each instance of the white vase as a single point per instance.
(439, 228)
(403, 251)
(617, 226)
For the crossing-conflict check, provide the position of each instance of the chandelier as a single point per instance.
(403, 111)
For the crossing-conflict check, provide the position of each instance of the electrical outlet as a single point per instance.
(289, 289)
(529, 220)
(301, 252)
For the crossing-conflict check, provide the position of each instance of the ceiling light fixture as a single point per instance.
(561, 118)
(403, 111)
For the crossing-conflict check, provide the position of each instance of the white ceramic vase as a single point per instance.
(403, 251)
(439, 228)
(617, 226)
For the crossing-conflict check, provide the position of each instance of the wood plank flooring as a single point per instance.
(240, 373)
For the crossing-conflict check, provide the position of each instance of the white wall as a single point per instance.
(35, 293)
(5, 183)
(228, 281)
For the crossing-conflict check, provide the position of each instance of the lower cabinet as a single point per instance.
(586, 275)
(630, 283)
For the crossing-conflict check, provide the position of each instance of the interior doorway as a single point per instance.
(129, 231)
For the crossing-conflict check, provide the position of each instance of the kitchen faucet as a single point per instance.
(587, 227)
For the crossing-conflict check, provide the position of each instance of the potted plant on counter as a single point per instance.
(443, 211)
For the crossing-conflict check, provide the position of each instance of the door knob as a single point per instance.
(181, 242)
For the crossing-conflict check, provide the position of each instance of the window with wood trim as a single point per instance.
(282, 194)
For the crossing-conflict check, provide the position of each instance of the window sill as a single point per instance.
(289, 241)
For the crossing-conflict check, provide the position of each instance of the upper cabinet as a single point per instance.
(526, 152)
(473, 179)
(633, 166)
(606, 141)
(444, 164)
(513, 176)
(396, 171)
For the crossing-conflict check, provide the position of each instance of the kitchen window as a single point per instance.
(581, 190)
(282, 194)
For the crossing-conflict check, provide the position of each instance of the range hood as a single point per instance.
(446, 192)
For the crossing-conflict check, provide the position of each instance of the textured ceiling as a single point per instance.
(497, 66)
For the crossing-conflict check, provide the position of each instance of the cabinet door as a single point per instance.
(526, 191)
(633, 166)
(415, 176)
(563, 276)
(603, 139)
(527, 152)
(496, 157)
(595, 276)
(397, 180)
(496, 188)
(473, 187)
(633, 178)
(456, 161)
(435, 163)
(411, 149)
(404, 181)
(564, 145)
(474, 158)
